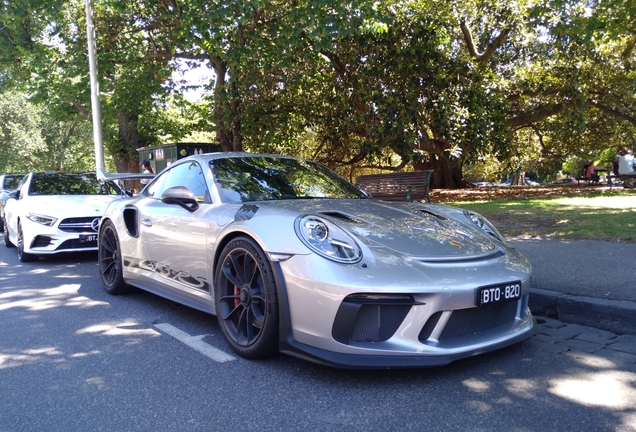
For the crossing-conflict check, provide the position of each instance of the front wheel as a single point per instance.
(110, 261)
(22, 255)
(5, 231)
(246, 299)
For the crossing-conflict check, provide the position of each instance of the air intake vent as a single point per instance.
(377, 323)
(479, 319)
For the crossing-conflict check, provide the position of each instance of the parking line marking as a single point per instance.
(196, 343)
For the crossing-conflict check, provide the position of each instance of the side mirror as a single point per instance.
(181, 196)
(14, 194)
(366, 194)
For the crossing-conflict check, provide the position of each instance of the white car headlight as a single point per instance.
(41, 219)
(483, 223)
(327, 239)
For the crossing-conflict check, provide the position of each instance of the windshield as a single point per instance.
(69, 184)
(271, 178)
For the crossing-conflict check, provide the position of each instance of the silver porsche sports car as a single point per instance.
(292, 258)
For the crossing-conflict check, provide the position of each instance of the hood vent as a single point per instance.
(339, 215)
(430, 213)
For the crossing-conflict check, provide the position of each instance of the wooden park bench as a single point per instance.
(402, 186)
(589, 180)
(622, 177)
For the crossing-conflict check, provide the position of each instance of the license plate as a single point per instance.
(87, 238)
(499, 293)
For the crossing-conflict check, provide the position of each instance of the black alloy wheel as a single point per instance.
(246, 299)
(110, 260)
(22, 255)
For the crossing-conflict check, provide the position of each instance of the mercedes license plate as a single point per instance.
(499, 293)
(87, 238)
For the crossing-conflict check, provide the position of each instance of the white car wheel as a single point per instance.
(22, 255)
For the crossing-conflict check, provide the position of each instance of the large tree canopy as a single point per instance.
(359, 84)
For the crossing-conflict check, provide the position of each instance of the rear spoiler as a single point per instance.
(103, 177)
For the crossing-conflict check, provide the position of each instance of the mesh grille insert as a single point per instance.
(377, 323)
(479, 319)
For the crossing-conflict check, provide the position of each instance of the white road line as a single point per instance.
(196, 343)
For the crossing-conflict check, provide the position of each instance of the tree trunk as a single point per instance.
(226, 111)
(446, 175)
(126, 158)
(518, 178)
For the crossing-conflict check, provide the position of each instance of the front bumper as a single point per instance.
(42, 240)
(415, 314)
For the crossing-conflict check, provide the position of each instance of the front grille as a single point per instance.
(377, 323)
(80, 224)
(475, 320)
(76, 244)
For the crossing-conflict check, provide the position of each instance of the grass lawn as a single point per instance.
(596, 216)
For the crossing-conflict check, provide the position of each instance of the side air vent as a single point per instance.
(130, 219)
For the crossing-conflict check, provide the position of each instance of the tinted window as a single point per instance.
(270, 178)
(11, 182)
(69, 184)
(188, 174)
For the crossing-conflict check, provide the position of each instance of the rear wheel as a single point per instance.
(22, 255)
(246, 299)
(5, 231)
(110, 261)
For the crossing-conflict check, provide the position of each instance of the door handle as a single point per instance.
(146, 222)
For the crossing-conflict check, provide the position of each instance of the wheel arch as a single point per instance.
(285, 335)
(224, 241)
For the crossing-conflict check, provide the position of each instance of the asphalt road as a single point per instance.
(73, 358)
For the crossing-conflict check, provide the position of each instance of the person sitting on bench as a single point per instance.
(626, 167)
(589, 172)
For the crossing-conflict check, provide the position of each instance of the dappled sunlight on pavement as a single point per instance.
(610, 389)
(40, 299)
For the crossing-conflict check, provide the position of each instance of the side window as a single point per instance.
(187, 174)
(156, 187)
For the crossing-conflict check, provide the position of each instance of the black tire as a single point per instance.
(22, 255)
(110, 261)
(5, 231)
(246, 299)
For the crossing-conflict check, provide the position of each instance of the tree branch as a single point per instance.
(613, 112)
(482, 58)
(540, 113)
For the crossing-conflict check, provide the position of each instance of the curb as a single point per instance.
(612, 315)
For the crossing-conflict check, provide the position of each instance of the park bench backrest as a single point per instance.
(402, 186)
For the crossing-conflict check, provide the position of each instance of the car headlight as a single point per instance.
(327, 239)
(483, 223)
(41, 219)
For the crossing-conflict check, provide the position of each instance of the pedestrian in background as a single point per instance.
(147, 169)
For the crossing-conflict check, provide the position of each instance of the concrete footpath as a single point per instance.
(586, 282)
